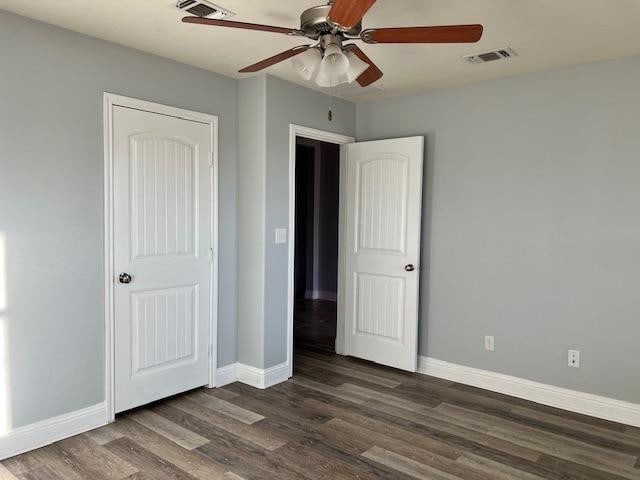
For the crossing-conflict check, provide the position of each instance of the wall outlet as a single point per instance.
(281, 235)
(489, 343)
(574, 358)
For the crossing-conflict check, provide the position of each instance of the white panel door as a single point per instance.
(162, 224)
(382, 258)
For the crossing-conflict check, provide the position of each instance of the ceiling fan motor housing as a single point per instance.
(315, 22)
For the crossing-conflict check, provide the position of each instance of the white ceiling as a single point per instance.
(545, 33)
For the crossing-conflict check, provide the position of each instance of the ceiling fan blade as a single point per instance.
(243, 25)
(267, 62)
(444, 34)
(371, 74)
(348, 13)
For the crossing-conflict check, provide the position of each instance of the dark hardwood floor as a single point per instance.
(342, 418)
(315, 324)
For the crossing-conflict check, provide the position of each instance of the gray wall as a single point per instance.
(251, 188)
(288, 103)
(268, 106)
(532, 222)
(51, 201)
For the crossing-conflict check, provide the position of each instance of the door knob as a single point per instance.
(409, 268)
(124, 278)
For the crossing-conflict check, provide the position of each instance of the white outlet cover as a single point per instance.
(574, 358)
(281, 235)
(489, 343)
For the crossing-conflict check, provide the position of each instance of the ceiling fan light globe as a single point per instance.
(356, 67)
(335, 62)
(307, 63)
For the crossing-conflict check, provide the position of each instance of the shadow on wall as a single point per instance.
(5, 387)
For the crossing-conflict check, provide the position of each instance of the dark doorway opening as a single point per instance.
(316, 244)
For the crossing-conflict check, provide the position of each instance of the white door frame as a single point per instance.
(329, 137)
(109, 101)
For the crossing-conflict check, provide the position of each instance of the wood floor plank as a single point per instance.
(564, 450)
(5, 474)
(190, 461)
(232, 452)
(545, 442)
(144, 460)
(316, 466)
(465, 429)
(615, 438)
(576, 471)
(247, 459)
(223, 393)
(351, 372)
(233, 476)
(48, 456)
(40, 473)
(371, 368)
(394, 400)
(423, 441)
(252, 433)
(226, 408)
(496, 470)
(103, 435)
(408, 450)
(328, 390)
(95, 460)
(181, 436)
(406, 465)
(313, 432)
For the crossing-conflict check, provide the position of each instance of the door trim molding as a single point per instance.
(329, 137)
(109, 101)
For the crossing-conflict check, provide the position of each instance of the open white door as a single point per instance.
(382, 258)
(162, 220)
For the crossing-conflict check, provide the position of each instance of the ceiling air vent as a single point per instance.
(204, 9)
(491, 56)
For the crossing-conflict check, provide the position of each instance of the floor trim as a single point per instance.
(51, 430)
(260, 378)
(226, 375)
(572, 400)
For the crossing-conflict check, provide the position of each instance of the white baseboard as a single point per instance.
(226, 375)
(320, 295)
(45, 432)
(260, 378)
(572, 400)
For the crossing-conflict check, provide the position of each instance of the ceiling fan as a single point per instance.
(330, 61)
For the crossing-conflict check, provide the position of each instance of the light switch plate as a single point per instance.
(281, 235)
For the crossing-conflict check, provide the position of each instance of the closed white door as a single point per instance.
(382, 258)
(162, 224)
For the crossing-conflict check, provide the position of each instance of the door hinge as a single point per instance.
(211, 254)
(211, 159)
(210, 350)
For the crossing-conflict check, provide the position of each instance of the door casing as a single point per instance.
(109, 101)
(329, 137)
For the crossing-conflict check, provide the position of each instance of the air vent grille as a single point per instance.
(203, 8)
(491, 56)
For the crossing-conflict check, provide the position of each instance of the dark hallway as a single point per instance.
(316, 244)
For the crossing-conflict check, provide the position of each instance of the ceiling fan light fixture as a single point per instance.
(307, 63)
(356, 66)
(333, 67)
(335, 62)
